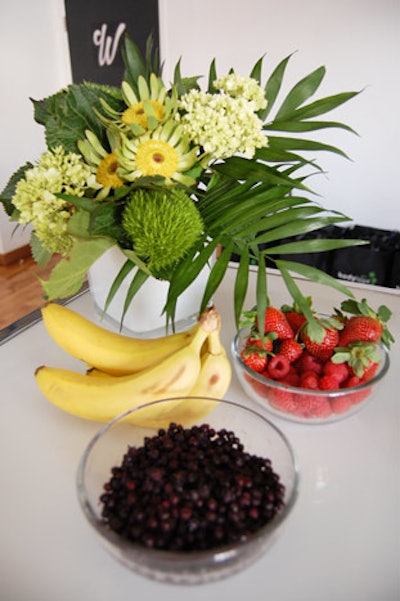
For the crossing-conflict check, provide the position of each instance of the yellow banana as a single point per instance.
(213, 382)
(108, 351)
(102, 398)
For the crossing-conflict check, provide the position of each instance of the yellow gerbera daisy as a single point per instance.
(138, 113)
(107, 171)
(105, 163)
(165, 152)
(147, 108)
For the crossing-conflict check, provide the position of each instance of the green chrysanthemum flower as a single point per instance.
(163, 225)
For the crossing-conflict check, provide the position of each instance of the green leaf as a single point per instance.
(261, 293)
(41, 255)
(138, 280)
(241, 284)
(216, 274)
(315, 330)
(315, 275)
(305, 126)
(322, 106)
(186, 272)
(67, 114)
(78, 224)
(300, 93)
(212, 76)
(277, 142)
(69, 274)
(314, 245)
(295, 228)
(9, 190)
(119, 278)
(257, 70)
(273, 86)
(134, 63)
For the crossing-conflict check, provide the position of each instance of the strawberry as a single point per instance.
(373, 329)
(358, 356)
(255, 352)
(361, 328)
(291, 349)
(324, 348)
(275, 321)
(294, 314)
(265, 344)
(254, 360)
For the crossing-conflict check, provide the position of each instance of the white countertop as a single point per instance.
(341, 542)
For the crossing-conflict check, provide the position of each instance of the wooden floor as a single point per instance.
(20, 289)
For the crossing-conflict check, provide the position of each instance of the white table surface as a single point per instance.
(341, 542)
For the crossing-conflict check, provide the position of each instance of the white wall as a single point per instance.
(357, 40)
(359, 43)
(34, 63)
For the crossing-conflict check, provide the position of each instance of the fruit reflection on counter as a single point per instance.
(124, 372)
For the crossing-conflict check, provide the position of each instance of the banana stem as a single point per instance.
(209, 322)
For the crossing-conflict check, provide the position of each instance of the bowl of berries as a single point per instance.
(193, 503)
(312, 368)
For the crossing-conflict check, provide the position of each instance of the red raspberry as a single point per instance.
(292, 379)
(339, 371)
(328, 383)
(283, 400)
(278, 367)
(308, 363)
(341, 404)
(308, 406)
(309, 379)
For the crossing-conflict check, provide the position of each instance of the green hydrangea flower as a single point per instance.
(36, 203)
(239, 86)
(221, 124)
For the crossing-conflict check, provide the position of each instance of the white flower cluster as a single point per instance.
(222, 124)
(37, 204)
(239, 86)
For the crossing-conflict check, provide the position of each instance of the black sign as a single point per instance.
(96, 29)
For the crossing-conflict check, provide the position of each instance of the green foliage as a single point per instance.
(67, 114)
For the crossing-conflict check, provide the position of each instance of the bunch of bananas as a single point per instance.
(124, 372)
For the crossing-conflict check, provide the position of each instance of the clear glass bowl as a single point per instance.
(301, 405)
(106, 449)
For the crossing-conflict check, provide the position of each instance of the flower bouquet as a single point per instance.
(171, 174)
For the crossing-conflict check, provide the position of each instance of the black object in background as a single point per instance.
(96, 29)
(369, 264)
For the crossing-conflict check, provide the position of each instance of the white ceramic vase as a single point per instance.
(144, 317)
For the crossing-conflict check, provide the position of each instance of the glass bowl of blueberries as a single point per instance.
(185, 500)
